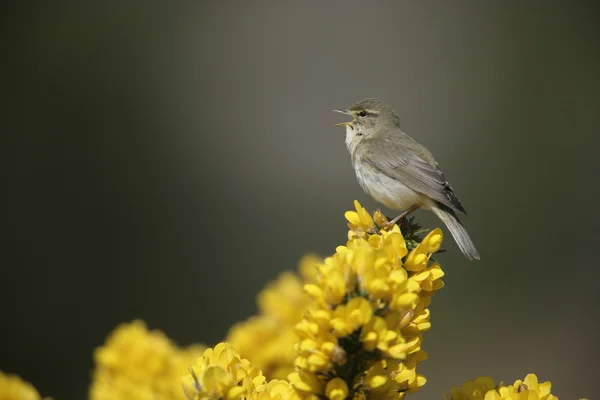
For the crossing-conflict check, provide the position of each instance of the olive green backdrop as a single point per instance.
(164, 160)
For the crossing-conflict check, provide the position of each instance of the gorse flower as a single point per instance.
(362, 332)
(483, 388)
(348, 326)
(139, 364)
(222, 374)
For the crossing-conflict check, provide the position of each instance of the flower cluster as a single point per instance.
(14, 388)
(349, 326)
(362, 332)
(136, 363)
(483, 388)
(268, 338)
(222, 374)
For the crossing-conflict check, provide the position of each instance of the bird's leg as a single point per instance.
(403, 214)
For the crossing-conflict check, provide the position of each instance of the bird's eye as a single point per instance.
(362, 114)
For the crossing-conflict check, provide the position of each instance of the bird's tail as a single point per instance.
(459, 233)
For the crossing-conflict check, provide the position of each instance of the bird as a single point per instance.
(398, 172)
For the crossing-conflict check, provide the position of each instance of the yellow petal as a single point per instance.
(398, 351)
(406, 300)
(313, 291)
(377, 381)
(336, 389)
(492, 395)
(352, 217)
(214, 379)
(433, 240)
(340, 326)
(305, 382)
(236, 392)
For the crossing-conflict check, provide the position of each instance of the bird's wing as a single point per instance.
(414, 166)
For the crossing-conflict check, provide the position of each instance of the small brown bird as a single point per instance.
(397, 171)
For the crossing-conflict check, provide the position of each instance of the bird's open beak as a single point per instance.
(345, 112)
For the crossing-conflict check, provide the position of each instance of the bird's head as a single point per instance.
(369, 116)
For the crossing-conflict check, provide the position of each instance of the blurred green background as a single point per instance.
(164, 160)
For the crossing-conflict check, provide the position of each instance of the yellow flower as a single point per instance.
(376, 335)
(360, 220)
(368, 306)
(138, 364)
(348, 318)
(483, 388)
(348, 326)
(14, 388)
(316, 348)
(221, 374)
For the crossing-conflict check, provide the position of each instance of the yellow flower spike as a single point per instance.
(336, 389)
(367, 285)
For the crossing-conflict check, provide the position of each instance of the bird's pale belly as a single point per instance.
(385, 190)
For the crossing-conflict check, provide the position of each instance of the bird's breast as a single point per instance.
(383, 189)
